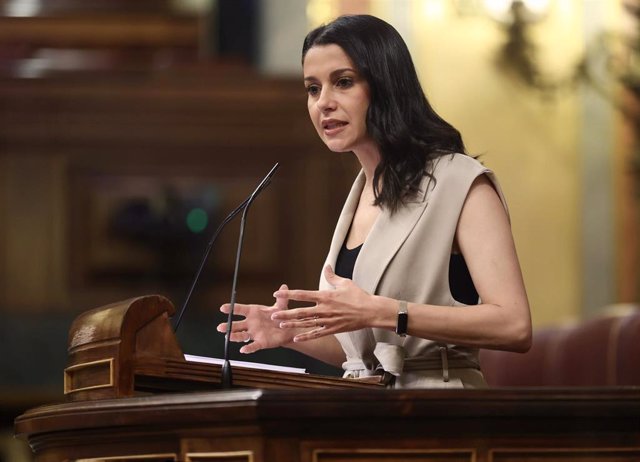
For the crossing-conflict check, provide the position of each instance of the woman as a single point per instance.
(424, 234)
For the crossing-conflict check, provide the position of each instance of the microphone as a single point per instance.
(263, 184)
(227, 376)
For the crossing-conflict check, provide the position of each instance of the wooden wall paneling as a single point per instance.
(34, 230)
(132, 258)
(26, 181)
(323, 192)
(627, 210)
(58, 297)
(227, 128)
(4, 217)
(104, 7)
(143, 114)
(104, 254)
(47, 38)
(101, 30)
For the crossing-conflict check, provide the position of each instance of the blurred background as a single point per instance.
(128, 130)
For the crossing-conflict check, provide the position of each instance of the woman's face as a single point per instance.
(337, 98)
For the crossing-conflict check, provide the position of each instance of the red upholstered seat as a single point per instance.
(602, 351)
(628, 355)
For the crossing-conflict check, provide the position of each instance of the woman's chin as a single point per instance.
(337, 147)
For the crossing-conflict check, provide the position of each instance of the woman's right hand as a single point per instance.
(257, 327)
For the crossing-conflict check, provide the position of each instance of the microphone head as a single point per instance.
(265, 182)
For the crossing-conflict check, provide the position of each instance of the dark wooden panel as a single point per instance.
(541, 425)
(393, 455)
(593, 454)
(100, 31)
(233, 456)
(117, 136)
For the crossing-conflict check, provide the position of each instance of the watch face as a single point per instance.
(403, 319)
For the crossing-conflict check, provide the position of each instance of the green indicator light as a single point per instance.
(197, 220)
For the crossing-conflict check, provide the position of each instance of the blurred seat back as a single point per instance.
(603, 351)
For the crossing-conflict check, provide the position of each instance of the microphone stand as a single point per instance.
(205, 257)
(227, 375)
(264, 183)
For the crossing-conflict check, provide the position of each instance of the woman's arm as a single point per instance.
(484, 238)
(503, 320)
(326, 349)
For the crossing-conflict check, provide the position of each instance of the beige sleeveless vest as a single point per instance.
(406, 257)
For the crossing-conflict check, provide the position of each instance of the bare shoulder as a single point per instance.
(483, 199)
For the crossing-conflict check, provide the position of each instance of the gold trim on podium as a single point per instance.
(428, 455)
(77, 367)
(229, 456)
(603, 454)
(152, 457)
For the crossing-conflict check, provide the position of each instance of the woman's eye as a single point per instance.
(344, 82)
(313, 90)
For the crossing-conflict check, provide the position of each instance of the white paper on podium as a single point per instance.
(250, 365)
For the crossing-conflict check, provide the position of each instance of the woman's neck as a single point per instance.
(369, 158)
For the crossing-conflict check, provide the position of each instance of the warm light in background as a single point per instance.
(502, 9)
(193, 6)
(433, 10)
(320, 12)
(22, 8)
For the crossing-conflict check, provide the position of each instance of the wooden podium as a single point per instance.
(123, 360)
(129, 348)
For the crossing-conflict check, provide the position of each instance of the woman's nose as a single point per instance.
(326, 102)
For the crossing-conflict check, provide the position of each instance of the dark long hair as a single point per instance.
(408, 132)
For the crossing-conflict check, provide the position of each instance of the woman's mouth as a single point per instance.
(332, 127)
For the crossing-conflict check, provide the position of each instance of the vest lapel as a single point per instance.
(385, 239)
(382, 243)
(343, 225)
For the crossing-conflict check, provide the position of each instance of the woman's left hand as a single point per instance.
(346, 308)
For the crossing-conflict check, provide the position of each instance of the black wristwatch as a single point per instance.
(403, 319)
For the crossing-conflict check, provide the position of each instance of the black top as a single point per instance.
(346, 261)
(460, 283)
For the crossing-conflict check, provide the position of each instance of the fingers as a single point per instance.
(298, 295)
(331, 277)
(282, 301)
(239, 332)
(237, 326)
(269, 309)
(251, 348)
(313, 334)
(238, 309)
(256, 316)
(244, 337)
(312, 296)
(297, 315)
(313, 323)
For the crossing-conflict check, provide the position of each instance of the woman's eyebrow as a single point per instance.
(332, 75)
(340, 71)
